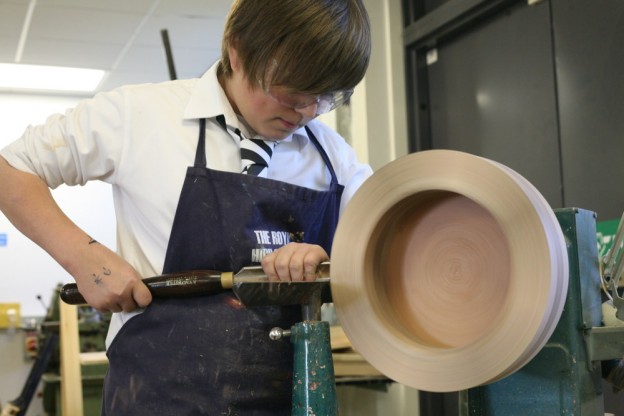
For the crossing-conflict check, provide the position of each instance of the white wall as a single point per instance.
(379, 120)
(26, 271)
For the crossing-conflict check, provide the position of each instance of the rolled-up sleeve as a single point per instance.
(73, 148)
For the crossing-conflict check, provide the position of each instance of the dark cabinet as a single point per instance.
(536, 87)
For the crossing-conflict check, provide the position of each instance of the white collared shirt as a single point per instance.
(142, 138)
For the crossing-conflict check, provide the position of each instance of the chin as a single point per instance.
(279, 135)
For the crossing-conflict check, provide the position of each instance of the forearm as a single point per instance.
(27, 202)
(106, 280)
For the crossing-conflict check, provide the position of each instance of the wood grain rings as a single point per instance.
(449, 271)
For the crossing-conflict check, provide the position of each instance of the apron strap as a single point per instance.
(332, 172)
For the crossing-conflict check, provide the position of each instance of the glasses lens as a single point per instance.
(324, 102)
(324, 105)
(292, 99)
(329, 102)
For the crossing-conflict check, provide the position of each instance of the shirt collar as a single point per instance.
(208, 100)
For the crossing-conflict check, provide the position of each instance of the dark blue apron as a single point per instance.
(210, 355)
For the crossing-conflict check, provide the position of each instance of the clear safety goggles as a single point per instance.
(299, 101)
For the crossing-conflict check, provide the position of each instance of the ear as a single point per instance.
(234, 61)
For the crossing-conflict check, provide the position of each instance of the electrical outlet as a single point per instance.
(9, 315)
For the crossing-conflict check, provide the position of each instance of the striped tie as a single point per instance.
(255, 155)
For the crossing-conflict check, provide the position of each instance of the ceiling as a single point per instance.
(119, 36)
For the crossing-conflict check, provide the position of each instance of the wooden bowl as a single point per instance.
(449, 271)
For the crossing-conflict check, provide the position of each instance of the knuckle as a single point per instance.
(281, 269)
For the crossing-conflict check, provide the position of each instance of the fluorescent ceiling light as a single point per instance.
(49, 78)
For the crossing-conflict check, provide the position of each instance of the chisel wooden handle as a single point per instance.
(193, 283)
(199, 282)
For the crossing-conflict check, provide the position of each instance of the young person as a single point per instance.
(172, 153)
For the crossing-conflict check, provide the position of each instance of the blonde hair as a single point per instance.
(313, 46)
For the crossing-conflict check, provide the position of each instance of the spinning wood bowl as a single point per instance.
(449, 271)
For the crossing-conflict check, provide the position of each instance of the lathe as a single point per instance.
(451, 273)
